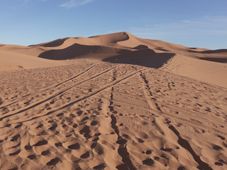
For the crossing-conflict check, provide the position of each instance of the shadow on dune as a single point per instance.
(219, 55)
(214, 51)
(215, 59)
(76, 51)
(216, 55)
(54, 43)
(142, 57)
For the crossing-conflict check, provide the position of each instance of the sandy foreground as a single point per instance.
(112, 102)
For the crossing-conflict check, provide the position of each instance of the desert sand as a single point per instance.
(112, 101)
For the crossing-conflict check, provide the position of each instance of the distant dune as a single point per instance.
(120, 47)
(112, 101)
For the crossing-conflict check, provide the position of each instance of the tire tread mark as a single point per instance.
(147, 87)
(87, 96)
(71, 78)
(185, 144)
(55, 95)
(53, 86)
(122, 149)
(169, 114)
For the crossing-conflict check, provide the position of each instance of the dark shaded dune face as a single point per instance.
(219, 56)
(194, 50)
(76, 51)
(215, 59)
(112, 38)
(144, 57)
(141, 47)
(214, 51)
(54, 43)
(161, 49)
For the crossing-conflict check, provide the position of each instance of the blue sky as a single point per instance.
(196, 23)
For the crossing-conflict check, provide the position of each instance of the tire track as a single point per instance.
(53, 86)
(186, 111)
(186, 145)
(91, 94)
(105, 128)
(69, 79)
(122, 149)
(153, 104)
(181, 141)
(170, 115)
(55, 95)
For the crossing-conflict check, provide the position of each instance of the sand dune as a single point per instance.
(77, 51)
(120, 47)
(112, 101)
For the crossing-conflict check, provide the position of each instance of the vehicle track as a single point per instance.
(51, 87)
(91, 94)
(54, 95)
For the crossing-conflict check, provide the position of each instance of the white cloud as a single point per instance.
(63, 3)
(203, 26)
(207, 31)
(74, 3)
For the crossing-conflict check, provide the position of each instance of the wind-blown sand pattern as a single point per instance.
(124, 104)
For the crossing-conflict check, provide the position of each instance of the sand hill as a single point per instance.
(120, 48)
(112, 101)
